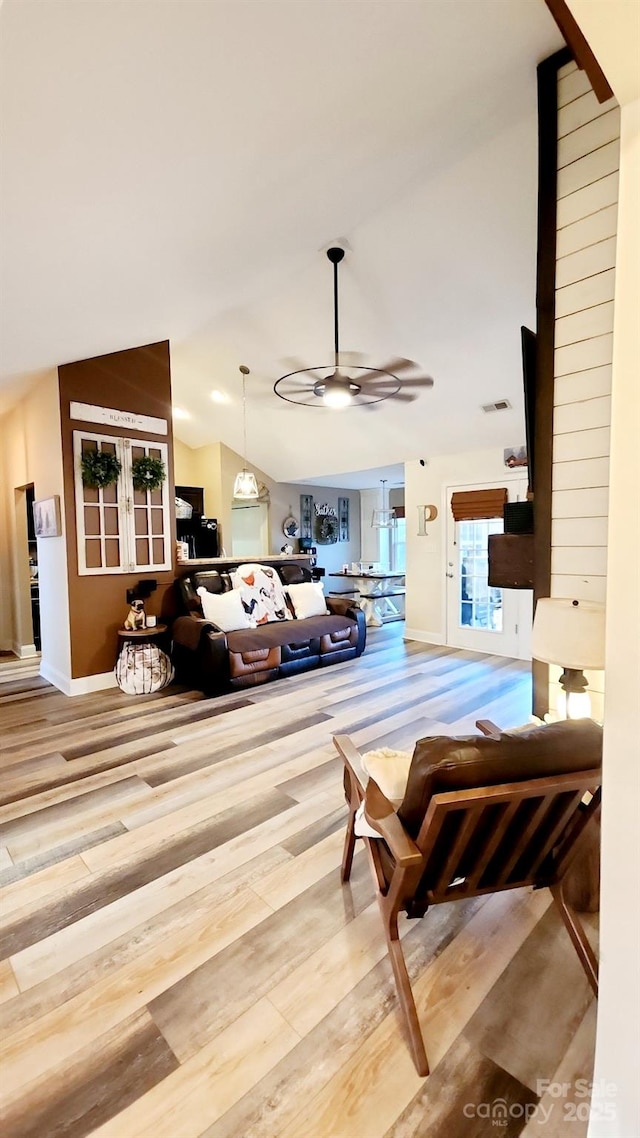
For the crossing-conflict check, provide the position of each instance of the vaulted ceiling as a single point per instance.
(175, 171)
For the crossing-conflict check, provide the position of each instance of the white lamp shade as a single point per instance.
(245, 485)
(569, 633)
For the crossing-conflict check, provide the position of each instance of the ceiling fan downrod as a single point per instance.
(335, 255)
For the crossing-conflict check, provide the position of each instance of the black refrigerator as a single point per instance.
(198, 531)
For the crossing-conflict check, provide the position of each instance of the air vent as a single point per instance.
(499, 405)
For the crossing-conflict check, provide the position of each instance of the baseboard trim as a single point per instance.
(423, 637)
(24, 651)
(84, 685)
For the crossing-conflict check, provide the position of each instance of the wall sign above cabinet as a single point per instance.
(88, 413)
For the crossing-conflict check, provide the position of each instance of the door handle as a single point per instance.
(449, 575)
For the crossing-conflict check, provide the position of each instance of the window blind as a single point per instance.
(470, 505)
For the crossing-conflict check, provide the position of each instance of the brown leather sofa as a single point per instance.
(214, 661)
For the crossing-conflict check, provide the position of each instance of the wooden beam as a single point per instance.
(582, 53)
(545, 328)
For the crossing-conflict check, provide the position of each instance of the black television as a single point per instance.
(529, 351)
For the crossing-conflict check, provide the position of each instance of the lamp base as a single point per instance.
(577, 704)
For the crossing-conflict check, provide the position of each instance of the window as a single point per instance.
(399, 546)
(119, 529)
(479, 605)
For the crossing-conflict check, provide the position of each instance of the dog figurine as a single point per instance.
(136, 617)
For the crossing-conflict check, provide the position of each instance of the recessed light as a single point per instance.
(179, 413)
(219, 397)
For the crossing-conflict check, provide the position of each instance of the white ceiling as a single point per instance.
(362, 479)
(174, 171)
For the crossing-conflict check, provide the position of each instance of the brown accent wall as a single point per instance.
(137, 380)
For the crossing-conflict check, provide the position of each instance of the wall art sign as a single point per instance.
(426, 514)
(324, 510)
(89, 413)
(343, 519)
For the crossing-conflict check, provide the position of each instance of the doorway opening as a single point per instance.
(26, 639)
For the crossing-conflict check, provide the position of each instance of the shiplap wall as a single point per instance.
(588, 159)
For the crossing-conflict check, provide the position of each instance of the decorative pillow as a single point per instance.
(308, 599)
(225, 609)
(390, 769)
(262, 594)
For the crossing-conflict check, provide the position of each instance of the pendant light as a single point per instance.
(245, 485)
(384, 518)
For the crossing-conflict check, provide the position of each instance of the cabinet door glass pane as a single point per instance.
(93, 553)
(142, 551)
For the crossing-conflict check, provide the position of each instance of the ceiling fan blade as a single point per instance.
(350, 359)
(399, 364)
(299, 389)
(419, 381)
(293, 364)
(400, 398)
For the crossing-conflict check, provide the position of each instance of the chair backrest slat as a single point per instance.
(493, 840)
(541, 812)
(561, 824)
(456, 840)
(581, 819)
(467, 826)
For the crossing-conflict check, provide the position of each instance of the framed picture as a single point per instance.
(46, 517)
(306, 516)
(343, 519)
(515, 456)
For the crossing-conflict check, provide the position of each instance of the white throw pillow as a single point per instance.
(262, 593)
(225, 609)
(308, 599)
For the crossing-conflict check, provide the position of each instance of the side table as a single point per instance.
(142, 667)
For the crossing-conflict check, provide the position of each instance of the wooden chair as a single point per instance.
(453, 837)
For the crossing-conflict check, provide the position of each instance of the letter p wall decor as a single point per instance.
(426, 514)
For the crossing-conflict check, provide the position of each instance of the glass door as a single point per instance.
(479, 617)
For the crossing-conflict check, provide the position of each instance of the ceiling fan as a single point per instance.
(336, 386)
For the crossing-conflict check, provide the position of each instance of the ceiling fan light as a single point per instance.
(337, 397)
(245, 485)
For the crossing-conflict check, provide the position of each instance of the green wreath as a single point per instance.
(147, 473)
(100, 468)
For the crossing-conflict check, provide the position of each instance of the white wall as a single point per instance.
(31, 451)
(618, 1033)
(588, 160)
(611, 27)
(425, 604)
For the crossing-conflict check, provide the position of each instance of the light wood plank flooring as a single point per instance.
(179, 959)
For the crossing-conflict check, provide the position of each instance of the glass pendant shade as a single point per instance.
(245, 485)
(384, 517)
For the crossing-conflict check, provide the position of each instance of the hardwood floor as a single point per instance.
(180, 960)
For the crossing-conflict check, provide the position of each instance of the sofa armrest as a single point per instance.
(200, 654)
(188, 631)
(343, 606)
